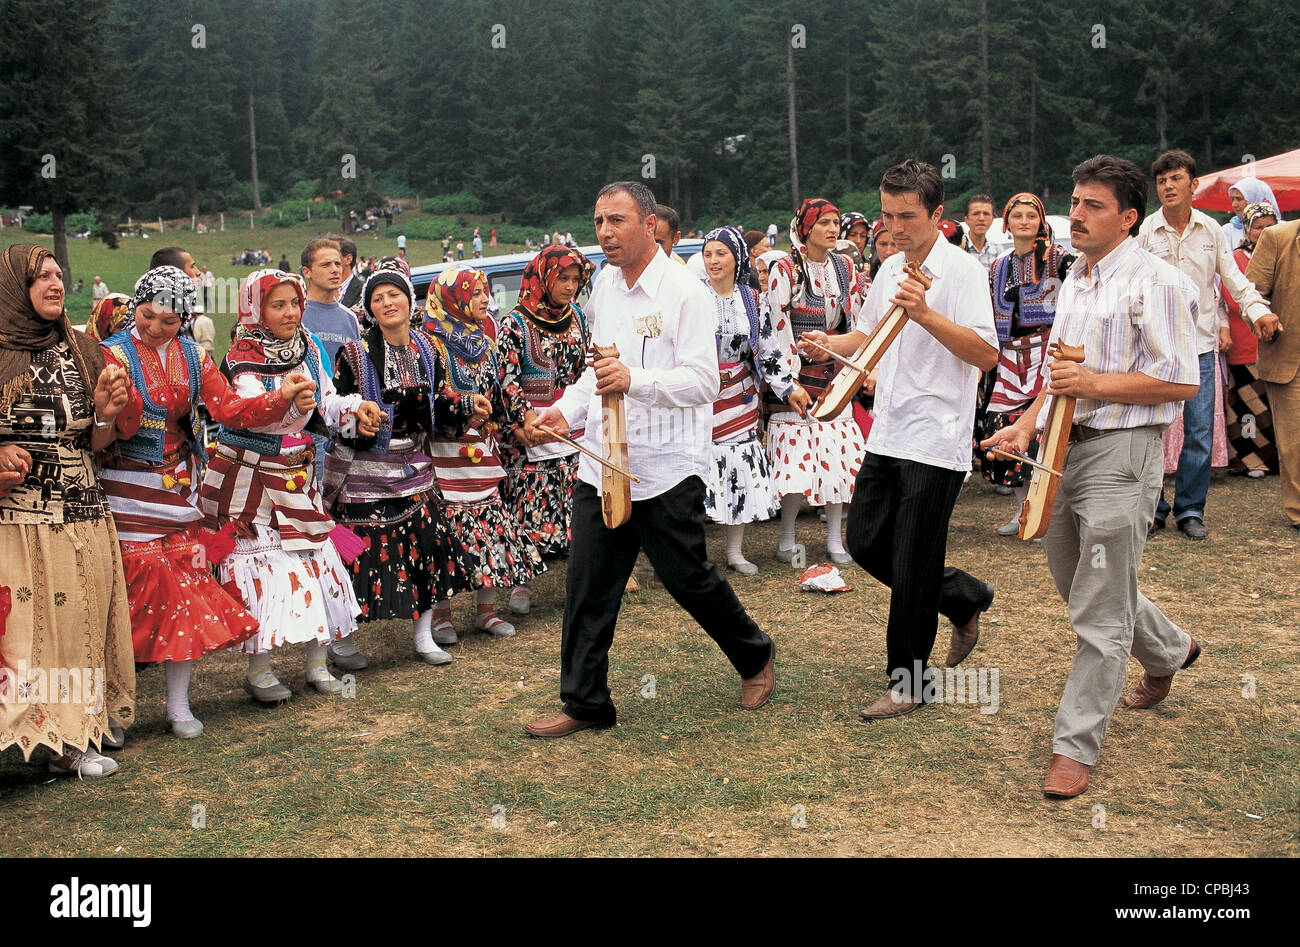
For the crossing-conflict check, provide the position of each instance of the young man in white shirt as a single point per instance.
(1194, 243)
(918, 451)
(663, 323)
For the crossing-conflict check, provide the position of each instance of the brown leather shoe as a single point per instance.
(890, 704)
(561, 725)
(965, 636)
(757, 690)
(1066, 778)
(1152, 690)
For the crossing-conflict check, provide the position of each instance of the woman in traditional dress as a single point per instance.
(284, 566)
(1024, 282)
(178, 611)
(108, 317)
(813, 288)
(740, 487)
(542, 349)
(1252, 449)
(857, 230)
(763, 267)
(883, 246)
(66, 670)
(384, 487)
(1249, 190)
(498, 550)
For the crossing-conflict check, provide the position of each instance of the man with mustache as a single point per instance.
(1135, 317)
(663, 322)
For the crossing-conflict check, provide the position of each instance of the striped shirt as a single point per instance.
(1132, 313)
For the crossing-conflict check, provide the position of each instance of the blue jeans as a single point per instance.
(1193, 480)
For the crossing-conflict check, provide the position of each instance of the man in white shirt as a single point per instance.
(1194, 243)
(978, 219)
(771, 235)
(662, 321)
(98, 290)
(918, 451)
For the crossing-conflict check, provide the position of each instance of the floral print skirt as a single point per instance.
(540, 496)
(498, 550)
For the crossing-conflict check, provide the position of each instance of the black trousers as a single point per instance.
(898, 531)
(670, 528)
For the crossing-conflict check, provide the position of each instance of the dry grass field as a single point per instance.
(432, 761)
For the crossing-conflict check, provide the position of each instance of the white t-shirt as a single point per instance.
(925, 396)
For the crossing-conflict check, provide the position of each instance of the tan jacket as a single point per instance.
(1275, 271)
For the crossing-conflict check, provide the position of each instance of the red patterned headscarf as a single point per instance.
(539, 279)
(255, 346)
(810, 211)
(108, 317)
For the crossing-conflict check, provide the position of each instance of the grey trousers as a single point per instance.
(1094, 548)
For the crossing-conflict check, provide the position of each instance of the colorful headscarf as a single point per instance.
(108, 316)
(810, 211)
(448, 311)
(849, 220)
(169, 287)
(1250, 214)
(539, 279)
(23, 330)
(255, 345)
(732, 238)
(391, 276)
(1042, 240)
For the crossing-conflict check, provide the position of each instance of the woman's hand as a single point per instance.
(300, 390)
(800, 401)
(482, 408)
(811, 352)
(369, 418)
(111, 391)
(14, 465)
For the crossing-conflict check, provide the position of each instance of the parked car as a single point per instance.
(505, 273)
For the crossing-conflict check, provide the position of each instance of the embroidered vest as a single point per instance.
(146, 444)
(538, 374)
(807, 313)
(269, 445)
(363, 370)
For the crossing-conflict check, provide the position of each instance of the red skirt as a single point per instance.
(178, 610)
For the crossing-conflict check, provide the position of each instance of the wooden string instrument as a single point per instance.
(1036, 512)
(615, 487)
(851, 375)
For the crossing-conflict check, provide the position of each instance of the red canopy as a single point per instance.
(1280, 172)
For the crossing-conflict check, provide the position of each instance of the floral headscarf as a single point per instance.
(539, 279)
(810, 211)
(851, 219)
(169, 287)
(23, 330)
(1250, 214)
(255, 345)
(731, 238)
(108, 317)
(448, 311)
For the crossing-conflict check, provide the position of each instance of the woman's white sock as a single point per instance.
(834, 541)
(178, 674)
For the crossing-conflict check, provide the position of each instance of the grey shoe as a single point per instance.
(326, 685)
(187, 729)
(1003, 490)
(115, 739)
(744, 567)
(274, 694)
(1193, 528)
(520, 602)
(840, 558)
(356, 661)
(784, 555)
(436, 656)
(1010, 529)
(445, 634)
